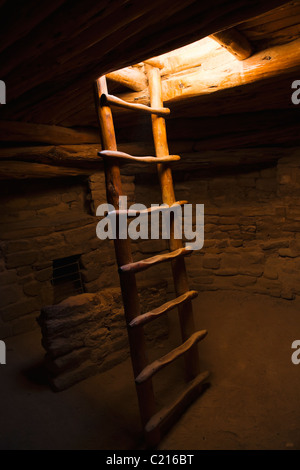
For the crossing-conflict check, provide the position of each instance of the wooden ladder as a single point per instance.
(153, 422)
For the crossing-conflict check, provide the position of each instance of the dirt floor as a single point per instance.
(253, 401)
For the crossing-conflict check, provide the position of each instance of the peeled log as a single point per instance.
(25, 170)
(149, 316)
(235, 42)
(115, 101)
(110, 154)
(192, 55)
(271, 62)
(170, 357)
(154, 260)
(14, 131)
(59, 159)
(131, 77)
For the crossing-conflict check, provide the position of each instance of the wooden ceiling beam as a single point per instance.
(187, 57)
(56, 55)
(25, 170)
(263, 65)
(68, 59)
(278, 26)
(26, 17)
(132, 77)
(234, 42)
(204, 51)
(57, 33)
(13, 131)
(272, 62)
(203, 161)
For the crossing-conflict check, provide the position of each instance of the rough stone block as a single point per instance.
(248, 228)
(275, 244)
(288, 253)
(43, 274)
(252, 270)
(210, 228)
(228, 220)
(266, 184)
(291, 227)
(270, 272)
(100, 256)
(221, 244)
(21, 258)
(14, 246)
(209, 219)
(226, 272)
(208, 243)
(26, 323)
(211, 262)
(247, 182)
(8, 277)
(91, 329)
(269, 284)
(32, 288)
(19, 309)
(228, 228)
(236, 243)
(268, 172)
(9, 294)
(287, 294)
(24, 271)
(284, 178)
(243, 281)
(81, 235)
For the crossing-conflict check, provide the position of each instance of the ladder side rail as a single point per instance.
(185, 312)
(124, 256)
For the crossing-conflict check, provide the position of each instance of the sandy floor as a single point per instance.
(253, 401)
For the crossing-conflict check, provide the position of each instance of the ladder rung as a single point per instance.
(157, 312)
(147, 263)
(179, 405)
(133, 213)
(105, 97)
(126, 157)
(159, 364)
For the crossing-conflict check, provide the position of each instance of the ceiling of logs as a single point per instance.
(50, 56)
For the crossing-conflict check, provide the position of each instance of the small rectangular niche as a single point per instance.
(66, 278)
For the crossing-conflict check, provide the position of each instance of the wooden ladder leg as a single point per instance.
(123, 255)
(185, 311)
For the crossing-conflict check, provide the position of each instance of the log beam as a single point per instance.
(55, 161)
(132, 77)
(65, 48)
(273, 62)
(13, 131)
(26, 170)
(234, 42)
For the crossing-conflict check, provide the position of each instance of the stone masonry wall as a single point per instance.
(44, 220)
(252, 227)
(252, 234)
(86, 334)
